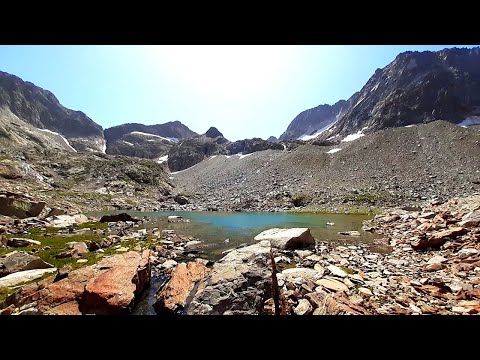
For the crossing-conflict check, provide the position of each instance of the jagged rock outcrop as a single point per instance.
(417, 87)
(249, 146)
(109, 287)
(238, 284)
(213, 133)
(40, 108)
(192, 151)
(176, 293)
(12, 204)
(310, 121)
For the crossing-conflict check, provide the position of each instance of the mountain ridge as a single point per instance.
(416, 87)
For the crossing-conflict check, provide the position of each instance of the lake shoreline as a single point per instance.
(431, 266)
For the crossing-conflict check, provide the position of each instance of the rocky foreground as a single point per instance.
(430, 265)
(427, 263)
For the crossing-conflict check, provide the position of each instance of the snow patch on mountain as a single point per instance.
(469, 121)
(162, 159)
(61, 136)
(157, 136)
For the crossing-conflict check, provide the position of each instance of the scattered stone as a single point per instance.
(314, 258)
(364, 292)
(169, 264)
(320, 269)
(282, 258)
(56, 212)
(82, 261)
(438, 238)
(471, 219)
(304, 273)
(437, 259)
(330, 224)
(122, 249)
(21, 242)
(434, 267)
(303, 253)
(80, 248)
(192, 243)
(331, 284)
(336, 271)
(415, 309)
(303, 308)
(349, 233)
(467, 252)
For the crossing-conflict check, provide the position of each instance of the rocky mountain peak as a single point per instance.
(312, 120)
(40, 108)
(213, 133)
(415, 88)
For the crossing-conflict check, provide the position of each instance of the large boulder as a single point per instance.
(21, 277)
(180, 199)
(174, 295)
(117, 217)
(21, 261)
(239, 283)
(119, 279)
(109, 287)
(60, 221)
(287, 238)
(15, 205)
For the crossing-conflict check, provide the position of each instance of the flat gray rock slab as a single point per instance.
(287, 238)
(24, 276)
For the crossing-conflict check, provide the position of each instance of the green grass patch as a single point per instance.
(4, 293)
(347, 270)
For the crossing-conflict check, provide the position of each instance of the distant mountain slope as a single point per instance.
(145, 141)
(393, 167)
(417, 87)
(171, 129)
(312, 120)
(40, 108)
(191, 151)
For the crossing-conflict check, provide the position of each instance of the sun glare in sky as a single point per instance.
(231, 72)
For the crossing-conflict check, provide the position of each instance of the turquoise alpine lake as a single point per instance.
(214, 228)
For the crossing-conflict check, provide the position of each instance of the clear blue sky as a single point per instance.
(244, 91)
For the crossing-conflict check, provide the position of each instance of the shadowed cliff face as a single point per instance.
(312, 120)
(192, 151)
(42, 109)
(417, 87)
